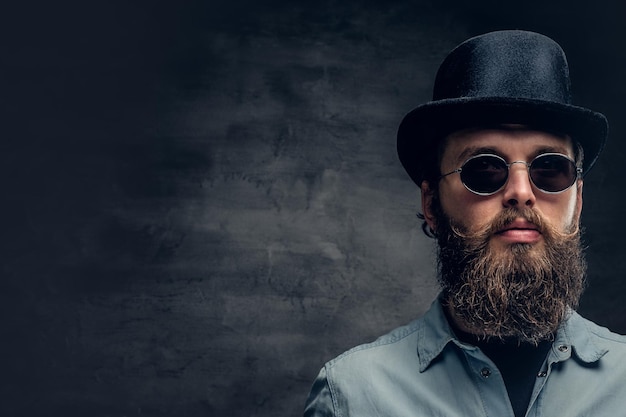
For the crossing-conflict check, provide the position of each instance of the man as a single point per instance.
(499, 155)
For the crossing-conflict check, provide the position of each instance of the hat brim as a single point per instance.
(421, 129)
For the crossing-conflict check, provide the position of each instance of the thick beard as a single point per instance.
(522, 291)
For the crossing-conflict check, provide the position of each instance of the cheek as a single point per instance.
(467, 209)
(561, 210)
(571, 210)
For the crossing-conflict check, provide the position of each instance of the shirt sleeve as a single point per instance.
(320, 401)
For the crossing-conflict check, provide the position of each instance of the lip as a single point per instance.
(520, 231)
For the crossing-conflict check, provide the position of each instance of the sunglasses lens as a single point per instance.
(553, 173)
(484, 174)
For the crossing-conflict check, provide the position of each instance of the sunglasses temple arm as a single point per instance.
(451, 172)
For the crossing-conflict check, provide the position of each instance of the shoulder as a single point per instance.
(592, 341)
(606, 336)
(359, 376)
(398, 343)
(414, 345)
(603, 334)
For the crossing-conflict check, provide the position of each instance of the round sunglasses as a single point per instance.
(486, 174)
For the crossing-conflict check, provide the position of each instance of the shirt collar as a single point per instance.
(573, 335)
(434, 334)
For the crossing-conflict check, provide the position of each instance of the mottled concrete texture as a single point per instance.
(203, 203)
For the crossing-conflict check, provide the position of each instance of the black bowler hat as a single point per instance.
(504, 77)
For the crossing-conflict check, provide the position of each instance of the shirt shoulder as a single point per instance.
(406, 348)
(360, 378)
(590, 341)
(401, 338)
(604, 335)
(392, 375)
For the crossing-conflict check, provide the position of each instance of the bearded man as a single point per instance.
(499, 154)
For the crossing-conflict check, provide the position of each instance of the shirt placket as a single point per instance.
(490, 384)
(561, 351)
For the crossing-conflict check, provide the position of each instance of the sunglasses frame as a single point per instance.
(579, 172)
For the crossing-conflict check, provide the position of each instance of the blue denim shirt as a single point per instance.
(421, 369)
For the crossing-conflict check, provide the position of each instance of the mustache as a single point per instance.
(510, 214)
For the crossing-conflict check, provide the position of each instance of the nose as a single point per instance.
(518, 190)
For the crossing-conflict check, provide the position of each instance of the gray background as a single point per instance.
(202, 201)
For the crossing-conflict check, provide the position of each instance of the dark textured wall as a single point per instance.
(202, 200)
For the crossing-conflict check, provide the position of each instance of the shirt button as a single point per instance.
(485, 372)
(563, 348)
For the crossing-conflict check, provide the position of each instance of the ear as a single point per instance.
(579, 198)
(428, 195)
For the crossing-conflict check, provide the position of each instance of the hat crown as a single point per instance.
(513, 63)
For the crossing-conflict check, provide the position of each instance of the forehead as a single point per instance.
(509, 142)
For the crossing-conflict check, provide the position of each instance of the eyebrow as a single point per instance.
(552, 149)
(478, 150)
(475, 150)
